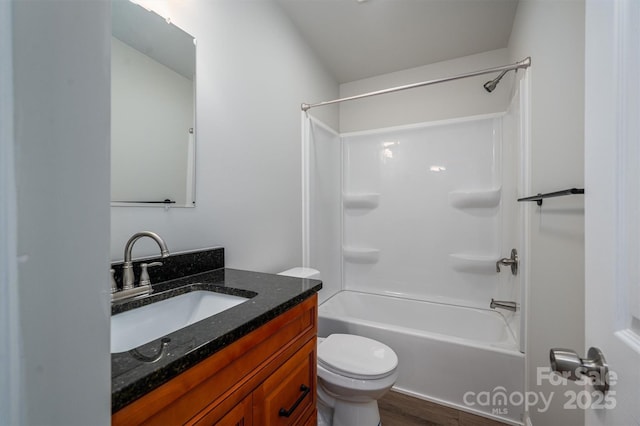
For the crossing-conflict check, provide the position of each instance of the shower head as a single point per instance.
(490, 86)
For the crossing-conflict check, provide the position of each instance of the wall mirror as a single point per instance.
(152, 110)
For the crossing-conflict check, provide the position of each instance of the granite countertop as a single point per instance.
(132, 378)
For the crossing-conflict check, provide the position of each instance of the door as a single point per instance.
(612, 205)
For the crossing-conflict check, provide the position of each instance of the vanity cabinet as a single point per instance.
(266, 378)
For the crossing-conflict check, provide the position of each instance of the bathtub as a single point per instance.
(461, 357)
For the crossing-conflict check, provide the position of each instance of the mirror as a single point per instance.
(152, 110)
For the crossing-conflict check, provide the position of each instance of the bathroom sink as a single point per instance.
(136, 327)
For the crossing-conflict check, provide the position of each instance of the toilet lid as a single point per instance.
(356, 356)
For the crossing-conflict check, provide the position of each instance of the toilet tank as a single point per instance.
(300, 272)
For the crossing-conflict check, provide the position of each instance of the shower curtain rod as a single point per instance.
(525, 63)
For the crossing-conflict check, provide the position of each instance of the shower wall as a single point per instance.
(322, 204)
(423, 210)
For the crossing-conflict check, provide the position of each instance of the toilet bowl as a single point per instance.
(353, 373)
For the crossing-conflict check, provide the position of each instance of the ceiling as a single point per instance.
(152, 35)
(357, 39)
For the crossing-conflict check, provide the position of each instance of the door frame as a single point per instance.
(612, 198)
(11, 400)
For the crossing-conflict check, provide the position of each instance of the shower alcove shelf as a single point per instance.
(360, 255)
(538, 198)
(361, 200)
(475, 199)
(473, 263)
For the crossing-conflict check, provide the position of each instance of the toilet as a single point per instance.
(353, 373)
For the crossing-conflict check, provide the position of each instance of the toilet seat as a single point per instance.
(356, 357)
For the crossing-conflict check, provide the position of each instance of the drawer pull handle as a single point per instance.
(286, 413)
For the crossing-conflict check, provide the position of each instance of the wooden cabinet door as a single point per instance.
(288, 397)
(240, 415)
(313, 419)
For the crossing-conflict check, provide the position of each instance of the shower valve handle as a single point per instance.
(512, 261)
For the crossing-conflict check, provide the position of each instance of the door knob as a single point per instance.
(568, 364)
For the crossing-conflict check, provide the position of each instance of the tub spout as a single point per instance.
(502, 304)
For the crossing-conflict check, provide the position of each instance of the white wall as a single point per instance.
(151, 113)
(61, 87)
(454, 99)
(552, 33)
(253, 72)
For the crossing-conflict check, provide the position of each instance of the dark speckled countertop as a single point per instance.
(132, 378)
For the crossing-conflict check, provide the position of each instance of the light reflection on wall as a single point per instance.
(387, 151)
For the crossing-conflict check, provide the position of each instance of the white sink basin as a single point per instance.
(138, 326)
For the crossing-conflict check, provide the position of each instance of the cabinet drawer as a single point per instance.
(240, 415)
(312, 420)
(288, 396)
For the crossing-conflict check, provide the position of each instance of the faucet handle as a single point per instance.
(512, 261)
(144, 274)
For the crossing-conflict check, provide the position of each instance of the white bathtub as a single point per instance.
(461, 357)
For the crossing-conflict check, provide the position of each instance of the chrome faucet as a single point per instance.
(127, 267)
(128, 288)
(503, 304)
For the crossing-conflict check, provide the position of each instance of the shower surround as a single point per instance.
(422, 212)
(405, 225)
